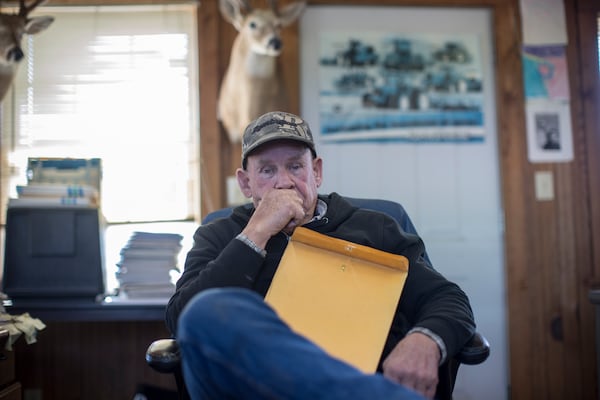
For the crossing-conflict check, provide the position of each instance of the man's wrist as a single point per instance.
(248, 242)
(435, 337)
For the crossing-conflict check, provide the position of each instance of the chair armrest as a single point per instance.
(163, 355)
(4, 336)
(476, 351)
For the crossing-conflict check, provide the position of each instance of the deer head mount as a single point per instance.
(252, 83)
(12, 29)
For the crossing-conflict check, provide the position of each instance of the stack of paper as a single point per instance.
(147, 263)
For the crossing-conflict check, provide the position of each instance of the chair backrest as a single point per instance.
(391, 208)
(163, 355)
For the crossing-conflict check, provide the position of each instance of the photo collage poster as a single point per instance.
(377, 86)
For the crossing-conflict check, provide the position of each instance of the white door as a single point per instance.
(451, 190)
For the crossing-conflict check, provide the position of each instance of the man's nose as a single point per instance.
(284, 180)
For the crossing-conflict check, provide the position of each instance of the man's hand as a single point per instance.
(414, 363)
(278, 210)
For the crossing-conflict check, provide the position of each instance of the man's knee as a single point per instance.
(214, 307)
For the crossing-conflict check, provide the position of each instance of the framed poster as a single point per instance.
(386, 85)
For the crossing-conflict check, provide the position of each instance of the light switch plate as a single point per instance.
(544, 185)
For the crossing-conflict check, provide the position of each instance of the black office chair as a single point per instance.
(163, 354)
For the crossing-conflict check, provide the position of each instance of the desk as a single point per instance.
(86, 311)
(88, 350)
(91, 350)
(10, 389)
(594, 296)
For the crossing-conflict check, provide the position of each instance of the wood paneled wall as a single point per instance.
(551, 248)
(90, 360)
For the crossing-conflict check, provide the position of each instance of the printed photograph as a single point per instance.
(548, 131)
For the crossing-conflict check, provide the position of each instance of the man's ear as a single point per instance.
(243, 182)
(318, 170)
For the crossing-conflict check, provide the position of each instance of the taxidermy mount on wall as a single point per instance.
(252, 83)
(12, 29)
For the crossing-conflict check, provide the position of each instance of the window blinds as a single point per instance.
(118, 83)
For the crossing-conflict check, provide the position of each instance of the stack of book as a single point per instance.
(59, 182)
(53, 194)
(79, 171)
(148, 264)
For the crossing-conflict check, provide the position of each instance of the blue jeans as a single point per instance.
(235, 347)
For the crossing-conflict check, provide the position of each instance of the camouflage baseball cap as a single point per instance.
(275, 125)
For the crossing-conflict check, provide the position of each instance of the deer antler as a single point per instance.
(24, 10)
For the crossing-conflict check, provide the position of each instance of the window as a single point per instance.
(120, 84)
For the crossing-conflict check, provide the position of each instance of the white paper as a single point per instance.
(543, 22)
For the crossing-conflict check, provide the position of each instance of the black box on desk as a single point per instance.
(53, 252)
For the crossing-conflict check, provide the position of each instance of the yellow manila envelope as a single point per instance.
(339, 294)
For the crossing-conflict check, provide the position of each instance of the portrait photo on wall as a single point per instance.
(377, 86)
(549, 137)
(548, 131)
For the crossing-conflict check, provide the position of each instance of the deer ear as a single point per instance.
(291, 12)
(233, 11)
(38, 24)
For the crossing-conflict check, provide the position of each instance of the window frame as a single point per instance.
(193, 190)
